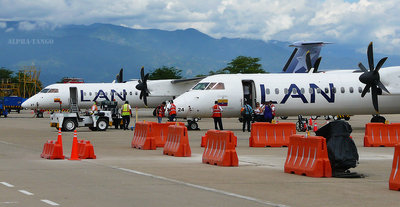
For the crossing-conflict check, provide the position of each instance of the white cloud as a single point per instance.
(340, 21)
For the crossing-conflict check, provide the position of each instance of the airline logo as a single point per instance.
(294, 92)
(102, 95)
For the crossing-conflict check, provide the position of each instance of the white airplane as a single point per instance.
(59, 96)
(336, 92)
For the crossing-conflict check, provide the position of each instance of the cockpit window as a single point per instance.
(210, 86)
(53, 90)
(200, 86)
(44, 90)
(218, 86)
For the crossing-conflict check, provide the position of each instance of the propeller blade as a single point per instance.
(145, 100)
(316, 65)
(379, 65)
(120, 76)
(381, 86)
(308, 61)
(374, 94)
(361, 66)
(370, 55)
(142, 73)
(366, 88)
(146, 77)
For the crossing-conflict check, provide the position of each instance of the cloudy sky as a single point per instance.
(341, 21)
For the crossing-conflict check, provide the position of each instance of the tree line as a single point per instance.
(241, 64)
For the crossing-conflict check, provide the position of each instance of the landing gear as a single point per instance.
(378, 119)
(192, 124)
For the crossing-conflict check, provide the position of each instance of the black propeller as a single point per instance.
(371, 78)
(142, 86)
(119, 77)
(309, 63)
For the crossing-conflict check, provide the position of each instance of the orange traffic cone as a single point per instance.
(74, 151)
(315, 127)
(59, 138)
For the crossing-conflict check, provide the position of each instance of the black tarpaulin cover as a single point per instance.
(342, 151)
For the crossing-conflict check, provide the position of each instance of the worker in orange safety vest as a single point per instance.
(160, 112)
(171, 111)
(217, 116)
(94, 108)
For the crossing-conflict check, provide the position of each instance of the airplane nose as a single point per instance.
(28, 104)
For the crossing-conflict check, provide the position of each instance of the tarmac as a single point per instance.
(124, 176)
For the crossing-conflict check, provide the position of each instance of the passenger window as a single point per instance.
(90, 93)
(360, 89)
(311, 90)
(105, 93)
(351, 89)
(136, 93)
(84, 93)
(342, 90)
(318, 90)
(267, 91)
(130, 93)
(276, 90)
(210, 86)
(303, 91)
(294, 91)
(285, 91)
(334, 90)
(326, 90)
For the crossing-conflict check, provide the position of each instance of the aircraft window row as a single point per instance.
(311, 90)
(106, 93)
(209, 86)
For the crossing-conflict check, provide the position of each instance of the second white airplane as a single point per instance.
(337, 92)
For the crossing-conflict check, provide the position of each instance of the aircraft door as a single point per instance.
(73, 95)
(249, 92)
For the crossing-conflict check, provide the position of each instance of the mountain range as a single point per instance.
(96, 52)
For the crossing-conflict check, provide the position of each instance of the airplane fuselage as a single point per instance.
(295, 94)
(87, 93)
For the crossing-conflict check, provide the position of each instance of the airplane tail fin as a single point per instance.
(297, 61)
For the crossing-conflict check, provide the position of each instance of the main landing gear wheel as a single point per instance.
(378, 119)
(192, 125)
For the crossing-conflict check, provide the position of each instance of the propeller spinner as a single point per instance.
(371, 78)
(142, 86)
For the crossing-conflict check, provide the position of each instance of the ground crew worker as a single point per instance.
(172, 111)
(217, 116)
(246, 112)
(160, 112)
(94, 108)
(126, 113)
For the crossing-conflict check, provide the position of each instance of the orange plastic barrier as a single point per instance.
(177, 143)
(53, 149)
(394, 180)
(85, 150)
(271, 135)
(381, 135)
(220, 149)
(308, 156)
(160, 131)
(205, 138)
(143, 138)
